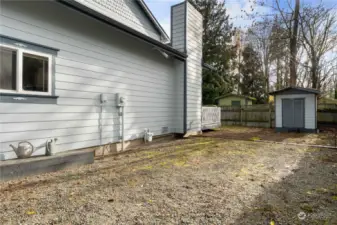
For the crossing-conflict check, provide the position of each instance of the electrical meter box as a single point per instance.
(120, 100)
(104, 98)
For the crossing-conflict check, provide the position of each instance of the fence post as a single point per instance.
(270, 120)
(246, 119)
(241, 116)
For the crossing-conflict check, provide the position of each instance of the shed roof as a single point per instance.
(297, 89)
(236, 95)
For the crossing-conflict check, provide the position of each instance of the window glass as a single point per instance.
(236, 103)
(35, 73)
(7, 69)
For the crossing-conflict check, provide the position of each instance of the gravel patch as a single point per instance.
(203, 180)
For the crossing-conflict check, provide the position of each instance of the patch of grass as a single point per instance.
(307, 208)
(163, 164)
(254, 138)
(265, 208)
(327, 158)
(132, 182)
(321, 190)
(243, 172)
(145, 167)
(151, 154)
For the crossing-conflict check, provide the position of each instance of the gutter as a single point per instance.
(125, 29)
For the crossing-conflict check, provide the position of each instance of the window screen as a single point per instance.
(7, 69)
(35, 73)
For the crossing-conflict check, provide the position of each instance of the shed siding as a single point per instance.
(126, 12)
(194, 70)
(93, 59)
(178, 27)
(309, 105)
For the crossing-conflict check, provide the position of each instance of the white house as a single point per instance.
(68, 69)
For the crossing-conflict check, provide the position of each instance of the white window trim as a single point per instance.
(19, 64)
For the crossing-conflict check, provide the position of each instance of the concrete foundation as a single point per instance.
(16, 168)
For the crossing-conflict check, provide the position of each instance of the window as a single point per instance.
(236, 103)
(7, 69)
(24, 71)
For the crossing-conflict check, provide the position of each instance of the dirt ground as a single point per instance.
(221, 177)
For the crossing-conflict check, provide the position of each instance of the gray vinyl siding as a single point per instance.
(178, 27)
(194, 70)
(127, 12)
(180, 97)
(93, 59)
(309, 109)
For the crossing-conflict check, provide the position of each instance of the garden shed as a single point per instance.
(296, 109)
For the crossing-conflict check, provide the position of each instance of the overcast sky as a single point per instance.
(162, 8)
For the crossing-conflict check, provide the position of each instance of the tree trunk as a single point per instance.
(293, 45)
(266, 73)
(278, 75)
(314, 77)
(286, 74)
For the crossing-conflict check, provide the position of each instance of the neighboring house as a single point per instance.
(234, 100)
(296, 109)
(59, 57)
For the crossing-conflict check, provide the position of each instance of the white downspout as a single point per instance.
(120, 102)
(122, 109)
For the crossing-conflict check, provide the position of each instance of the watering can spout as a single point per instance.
(15, 149)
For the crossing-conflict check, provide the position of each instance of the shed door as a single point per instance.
(299, 113)
(293, 113)
(287, 113)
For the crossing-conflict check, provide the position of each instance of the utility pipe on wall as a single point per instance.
(122, 131)
(120, 102)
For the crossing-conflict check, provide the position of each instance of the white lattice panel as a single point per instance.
(211, 117)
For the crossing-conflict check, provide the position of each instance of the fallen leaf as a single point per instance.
(30, 212)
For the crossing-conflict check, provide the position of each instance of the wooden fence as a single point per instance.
(263, 115)
(252, 115)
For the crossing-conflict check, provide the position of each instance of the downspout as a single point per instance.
(120, 102)
(122, 132)
(185, 97)
(185, 73)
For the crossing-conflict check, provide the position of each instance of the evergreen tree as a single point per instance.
(217, 48)
(253, 82)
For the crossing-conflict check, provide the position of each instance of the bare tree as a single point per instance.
(291, 20)
(318, 32)
(259, 36)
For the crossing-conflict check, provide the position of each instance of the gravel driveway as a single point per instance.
(201, 180)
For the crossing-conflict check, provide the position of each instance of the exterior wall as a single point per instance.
(179, 90)
(93, 59)
(309, 107)
(227, 101)
(194, 30)
(178, 28)
(126, 12)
